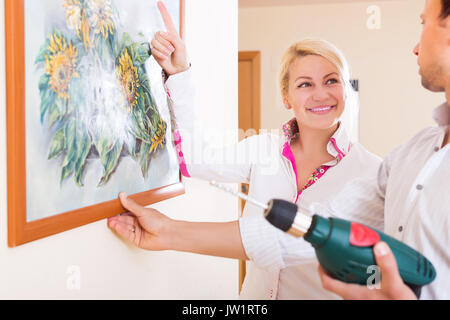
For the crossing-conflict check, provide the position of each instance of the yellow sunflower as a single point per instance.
(76, 20)
(101, 17)
(160, 137)
(129, 80)
(60, 64)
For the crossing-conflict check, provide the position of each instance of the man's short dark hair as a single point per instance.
(445, 12)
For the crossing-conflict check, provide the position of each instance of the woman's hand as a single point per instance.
(167, 47)
(143, 227)
(149, 229)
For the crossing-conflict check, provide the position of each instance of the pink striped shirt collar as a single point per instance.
(338, 146)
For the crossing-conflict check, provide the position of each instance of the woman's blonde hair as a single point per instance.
(331, 53)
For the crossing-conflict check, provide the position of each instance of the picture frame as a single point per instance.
(21, 229)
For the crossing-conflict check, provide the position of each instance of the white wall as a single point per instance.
(394, 105)
(110, 269)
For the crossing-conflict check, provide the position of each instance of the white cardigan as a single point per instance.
(272, 273)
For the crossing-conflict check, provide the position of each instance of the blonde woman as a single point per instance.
(310, 164)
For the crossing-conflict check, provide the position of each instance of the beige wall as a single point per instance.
(109, 269)
(393, 105)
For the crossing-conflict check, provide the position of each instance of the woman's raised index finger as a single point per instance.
(166, 17)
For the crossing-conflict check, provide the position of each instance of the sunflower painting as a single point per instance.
(98, 113)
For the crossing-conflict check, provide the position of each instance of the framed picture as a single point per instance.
(87, 113)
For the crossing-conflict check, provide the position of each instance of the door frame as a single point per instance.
(254, 57)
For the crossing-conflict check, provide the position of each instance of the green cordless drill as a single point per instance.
(344, 248)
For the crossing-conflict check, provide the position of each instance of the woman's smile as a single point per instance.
(322, 110)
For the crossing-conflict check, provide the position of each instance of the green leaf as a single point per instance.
(115, 47)
(68, 168)
(57, 144)
(77, 94)
(69, 138)
(57, 109)
(103, 144)
(79, 45)
(112, 43)
(43, 82)
(43, 50)
(71, 108)
(78, 145)
(138, 117)
(82, 156)
(126, 40)
(47, 95)
(141, 52)
(144, 81)
(47, 100)
(110, 163)
(81, 149)
(151, 104)
(66, 172)
(109, 152)
(144, 158)
(152, 125)
(70, 147)
(141, 100)
(104, 50)
(53, 115)
(61, 105)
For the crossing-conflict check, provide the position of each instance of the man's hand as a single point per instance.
(392, 286)
(167, 47)
(143, 227)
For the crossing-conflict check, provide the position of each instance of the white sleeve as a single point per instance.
(362, 200)
(270, 248)
(198, 157)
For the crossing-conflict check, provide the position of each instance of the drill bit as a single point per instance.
(239, 194)
(300, 224)
(243, 196)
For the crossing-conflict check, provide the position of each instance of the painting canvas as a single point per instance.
(96, 115)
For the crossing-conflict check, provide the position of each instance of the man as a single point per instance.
(414, 179)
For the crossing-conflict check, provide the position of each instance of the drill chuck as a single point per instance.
(283, 215)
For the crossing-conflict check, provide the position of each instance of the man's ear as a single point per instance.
(445, 23)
